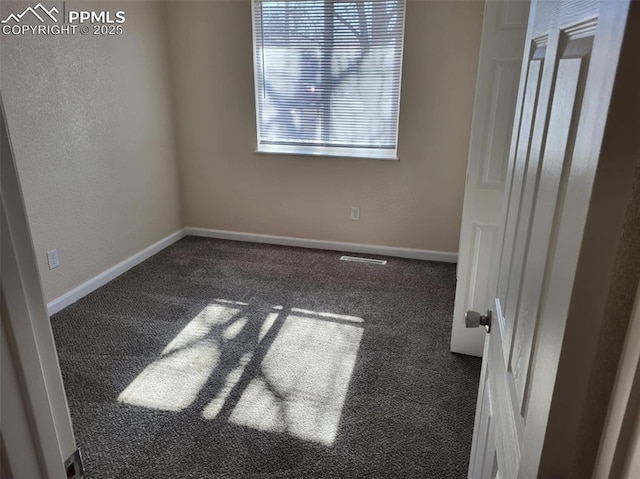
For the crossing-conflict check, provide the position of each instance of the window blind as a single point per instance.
(327, 76)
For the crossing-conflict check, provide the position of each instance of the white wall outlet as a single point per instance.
(52, 259)
(355, 213)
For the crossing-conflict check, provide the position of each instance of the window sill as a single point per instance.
(387, 155)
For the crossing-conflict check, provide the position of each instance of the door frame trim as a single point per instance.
(25, 319)
(619, 448)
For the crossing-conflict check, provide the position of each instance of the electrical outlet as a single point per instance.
(52, 259)
(355, 213)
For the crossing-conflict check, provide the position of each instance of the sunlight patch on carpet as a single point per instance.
(173, 381)
(296, 386)
(303, 380)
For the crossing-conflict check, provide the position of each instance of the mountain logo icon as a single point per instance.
(43, 13)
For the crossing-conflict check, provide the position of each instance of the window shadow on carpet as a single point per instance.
(276, 369)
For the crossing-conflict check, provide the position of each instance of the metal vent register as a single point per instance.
(356, 259)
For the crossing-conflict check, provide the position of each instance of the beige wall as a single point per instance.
(92, 129)
(416, 202)
(93, 121)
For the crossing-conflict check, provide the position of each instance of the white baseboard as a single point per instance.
(103, 278)
(423, 254)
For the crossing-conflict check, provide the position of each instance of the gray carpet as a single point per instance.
(237, 360)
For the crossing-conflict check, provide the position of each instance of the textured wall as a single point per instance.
(415, 202)
(92, 130)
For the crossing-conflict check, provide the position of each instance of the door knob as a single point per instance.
(473, 319)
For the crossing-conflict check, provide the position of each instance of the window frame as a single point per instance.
(373, 153)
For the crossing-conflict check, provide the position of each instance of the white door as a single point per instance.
(503, 30)
(570, 60)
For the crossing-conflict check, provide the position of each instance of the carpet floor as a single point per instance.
(221, 359)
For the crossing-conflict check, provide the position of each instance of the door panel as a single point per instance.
(503, 31)
(495, 147)
(524, 133)
(508, 422)
(523, 145)
(542, 217)
(551, 180)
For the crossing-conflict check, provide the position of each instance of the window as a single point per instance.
(327, 76)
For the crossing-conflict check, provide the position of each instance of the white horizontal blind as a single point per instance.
(327, 75)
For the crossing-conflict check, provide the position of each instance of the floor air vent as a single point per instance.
(362, 260)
